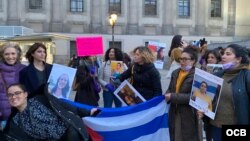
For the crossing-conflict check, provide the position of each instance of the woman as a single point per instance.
(10, 65)
(175, 53)
(201, 93)
(44, 117)
(86, 85)
(61, 89)
(145, 78)
(38, 71)
(233, 107)
(213, 58)
(105, 74)
(160, 54)
(182, 117)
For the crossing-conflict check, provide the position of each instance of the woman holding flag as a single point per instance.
(182, 117)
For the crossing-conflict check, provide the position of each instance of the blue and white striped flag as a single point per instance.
(146, 121)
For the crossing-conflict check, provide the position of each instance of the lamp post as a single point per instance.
(112, 21)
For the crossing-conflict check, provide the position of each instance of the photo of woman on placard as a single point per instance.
(160, 54)
(61, 89)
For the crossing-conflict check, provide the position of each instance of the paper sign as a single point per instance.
(89, 46)
(206, 88)
(158, 50)
(127, 94)
(61, 80)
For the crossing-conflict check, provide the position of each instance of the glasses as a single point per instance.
(10, 95)
(184, 59)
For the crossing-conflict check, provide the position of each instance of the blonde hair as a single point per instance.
(14, 45)
(146, 54)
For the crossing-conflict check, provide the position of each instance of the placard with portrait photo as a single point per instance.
(116, 68)
(158, 50)
(60, 81)
(127, 94)
(206, 89)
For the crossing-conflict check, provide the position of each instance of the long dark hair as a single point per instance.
(240, 51)
(176, 42)
(64, 90)
(118, 54)
(159, 57)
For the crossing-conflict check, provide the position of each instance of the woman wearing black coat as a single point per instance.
(38, 71)
(144, 77)
(43, 117)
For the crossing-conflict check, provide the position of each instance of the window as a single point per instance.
(76, 5)
(215, 8)
(35, 4)
(150, 8)
(183, 8)
(116, 44)
(114, 6)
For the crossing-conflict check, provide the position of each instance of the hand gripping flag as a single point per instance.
(146, 121)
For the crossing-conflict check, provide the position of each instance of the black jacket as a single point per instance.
(28, 77)
(146, 79)
(68, 113)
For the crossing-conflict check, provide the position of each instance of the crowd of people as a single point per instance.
(30, 111)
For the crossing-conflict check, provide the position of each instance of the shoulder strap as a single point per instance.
(132, 74)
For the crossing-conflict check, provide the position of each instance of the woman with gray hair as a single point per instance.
(10, 56)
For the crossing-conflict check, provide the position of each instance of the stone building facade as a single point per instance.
(159, 20)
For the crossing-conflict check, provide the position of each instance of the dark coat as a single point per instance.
(146, 79)
(241, 95)
(180, 103)
(87, 86)
(69, 114)
(29, 79)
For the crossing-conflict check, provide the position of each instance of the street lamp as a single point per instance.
(112, 21)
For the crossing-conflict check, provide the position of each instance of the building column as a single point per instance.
(231, 18)
(168, 18)
(133, 16)
(200, 17)
(12, 14)
(96, 16)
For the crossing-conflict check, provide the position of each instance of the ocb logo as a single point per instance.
(236, 132)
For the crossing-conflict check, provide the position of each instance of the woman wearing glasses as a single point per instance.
(10, 56)
(44, 117)
(182, 117)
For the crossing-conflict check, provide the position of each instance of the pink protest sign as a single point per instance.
(88, 46)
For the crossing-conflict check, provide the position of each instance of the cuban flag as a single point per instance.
(146, 121)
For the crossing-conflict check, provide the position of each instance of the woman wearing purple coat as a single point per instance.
(10, 56)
